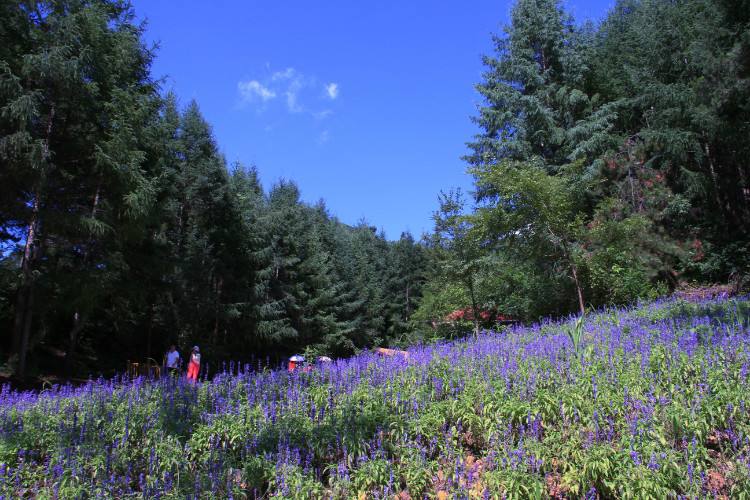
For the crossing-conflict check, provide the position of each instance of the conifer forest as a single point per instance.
(575, 326)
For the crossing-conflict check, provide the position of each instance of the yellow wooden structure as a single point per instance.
(148, 368)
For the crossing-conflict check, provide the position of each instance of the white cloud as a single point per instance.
(292, 91)
(332, 89)
(287, 74)
(324, 137)
(253, 89)
(289, 83)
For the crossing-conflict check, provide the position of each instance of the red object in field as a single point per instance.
(467, 314)
(383, 351)
(294, 362)
(193, 370)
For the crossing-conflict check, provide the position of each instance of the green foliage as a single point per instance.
(575, 333)
(457, 253)
(515, 484)
(607, 166)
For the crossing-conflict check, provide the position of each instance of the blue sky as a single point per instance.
(366, 105)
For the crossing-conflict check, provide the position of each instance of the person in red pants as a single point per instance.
(194, 366)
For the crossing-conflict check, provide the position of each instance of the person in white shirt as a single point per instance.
(173, 360)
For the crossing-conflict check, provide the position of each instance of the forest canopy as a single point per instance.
(611, 162)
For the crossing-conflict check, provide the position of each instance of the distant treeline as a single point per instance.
(611, 163)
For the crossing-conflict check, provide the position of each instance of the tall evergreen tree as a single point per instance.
(75, 92)
(532, 88)
(677, 77)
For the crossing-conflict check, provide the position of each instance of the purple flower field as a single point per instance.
(653, 403)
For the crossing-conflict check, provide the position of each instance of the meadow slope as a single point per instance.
(652, 403)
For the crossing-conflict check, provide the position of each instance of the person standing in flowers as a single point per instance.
(194, 366)
(295, 362)
(173, 360)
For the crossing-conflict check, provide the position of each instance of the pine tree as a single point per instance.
(75, 94)
(533, 88)
(674, 73)
(207, 231)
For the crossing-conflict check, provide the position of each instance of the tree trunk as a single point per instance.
(217, 304)
(581, 305)
(408, 305)
(78, 324)
(24, 291)
(714, 178)
(22, 324)
(22, 297)
(149, 331)
(474, 307)
(636, 207)
(25, 300)
(79, 320)
(744, 190)
(574, 272)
